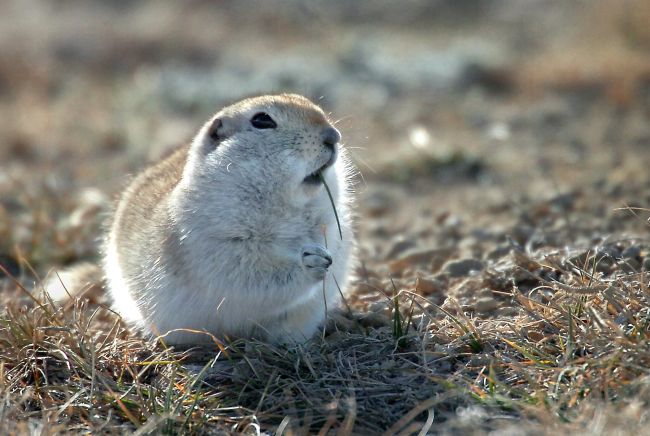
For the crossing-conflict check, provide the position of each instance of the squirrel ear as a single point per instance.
(215, 131)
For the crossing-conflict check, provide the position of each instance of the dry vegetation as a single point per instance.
(504, 273)
(574, 358)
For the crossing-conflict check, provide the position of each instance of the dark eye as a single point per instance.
(262, 120)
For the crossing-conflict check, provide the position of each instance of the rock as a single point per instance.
(482, 235)
(399, 247)
(374, 320)
(499, 252)
(434, 257)
(486, 304)
(631, 265)
(611, 251)
(521, 233)
(379, 229)
(10, 264)
(605, 265)
(377, 204)
(507, 311)
(632, 252)
(499, 131)
(565, 201)
(378, 307)
(427, 286)
(463, 267)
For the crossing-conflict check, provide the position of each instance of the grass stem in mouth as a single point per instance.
(329, 194)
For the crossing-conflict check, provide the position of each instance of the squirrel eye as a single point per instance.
(262, 120)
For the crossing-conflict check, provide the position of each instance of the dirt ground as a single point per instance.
(503, 150)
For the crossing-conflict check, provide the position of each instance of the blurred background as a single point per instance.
(455, 111)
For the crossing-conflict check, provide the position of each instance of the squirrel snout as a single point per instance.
(330, 137)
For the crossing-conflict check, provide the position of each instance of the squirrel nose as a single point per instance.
(330, 137)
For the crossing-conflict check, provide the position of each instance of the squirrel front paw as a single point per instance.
(316, 260)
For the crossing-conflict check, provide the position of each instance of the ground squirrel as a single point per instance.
(235, 234)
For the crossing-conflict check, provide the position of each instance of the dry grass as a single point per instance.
(577, 347)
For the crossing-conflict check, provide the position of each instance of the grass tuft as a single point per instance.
(560, 360)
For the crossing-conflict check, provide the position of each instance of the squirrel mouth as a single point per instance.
(316, 178)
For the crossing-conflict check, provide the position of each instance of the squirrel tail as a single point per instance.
(83, 279)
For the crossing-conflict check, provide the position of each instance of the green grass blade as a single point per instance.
(329, 194)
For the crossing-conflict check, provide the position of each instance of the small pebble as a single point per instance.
(463, 267)
(378, 204)
(499, 252)
(9, 264)
(434, 257)
(399, 247)
(374, 320)
(631, 265)
(427, 286)
(507, 311)
(378, 306)
(486, 304)
(632, 252)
